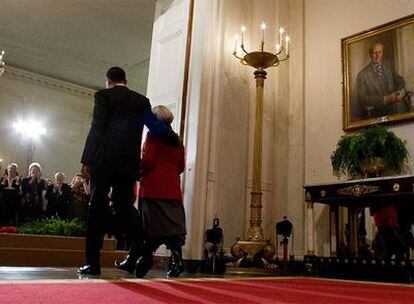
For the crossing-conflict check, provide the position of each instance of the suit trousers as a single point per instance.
(120, 217)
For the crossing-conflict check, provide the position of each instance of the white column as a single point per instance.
(333, 212)
(311, 228)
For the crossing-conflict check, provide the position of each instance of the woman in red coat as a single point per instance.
(160, 199)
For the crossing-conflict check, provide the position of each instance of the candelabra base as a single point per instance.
(248, 253)
(253, 271)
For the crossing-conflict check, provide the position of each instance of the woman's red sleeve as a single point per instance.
(148, 154)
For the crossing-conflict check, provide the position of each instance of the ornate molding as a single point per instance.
(358, 190)
(170, 37)
(49, 82)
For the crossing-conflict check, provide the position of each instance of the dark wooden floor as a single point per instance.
(35, 273)
(38, 273)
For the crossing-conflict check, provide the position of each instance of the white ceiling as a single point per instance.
(78, 40)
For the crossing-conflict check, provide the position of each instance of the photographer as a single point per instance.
(80, 198)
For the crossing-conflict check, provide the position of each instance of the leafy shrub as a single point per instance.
(54, 226)
(367, 144)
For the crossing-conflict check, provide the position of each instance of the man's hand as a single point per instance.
(394, 97)
(399, 95)
(86, 172)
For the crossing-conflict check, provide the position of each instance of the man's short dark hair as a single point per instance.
(116, 74)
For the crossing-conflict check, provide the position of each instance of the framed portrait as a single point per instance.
(378, 75)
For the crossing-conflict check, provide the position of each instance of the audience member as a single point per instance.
(33, 187)
(80, 198)
(9, 195)
(58, 196)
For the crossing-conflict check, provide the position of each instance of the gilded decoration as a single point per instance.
(396, 187)
(255, 233)
(377, 84)
(260, 60)
(247, 249)
(358, 190)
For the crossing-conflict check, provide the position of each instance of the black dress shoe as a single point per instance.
(144, 265)
(176, 265)
(126, 265)
(89, 269)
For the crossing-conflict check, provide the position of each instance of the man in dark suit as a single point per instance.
(111, 159)
(380, 90)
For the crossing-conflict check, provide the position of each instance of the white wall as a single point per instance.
(302, 111)
(64, 108)
(326, 22)
(221, 109)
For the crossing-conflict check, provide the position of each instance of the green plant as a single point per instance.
(366, 145)
(54, 226)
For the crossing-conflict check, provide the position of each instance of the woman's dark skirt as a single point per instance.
(162, 218)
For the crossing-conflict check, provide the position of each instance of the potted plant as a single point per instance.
(370, 152)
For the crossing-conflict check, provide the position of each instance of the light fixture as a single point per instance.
(255, 243)
(29, 129)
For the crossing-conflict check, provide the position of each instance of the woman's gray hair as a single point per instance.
(35, 165)
(12, 165)
(60, 173)
(163, 113)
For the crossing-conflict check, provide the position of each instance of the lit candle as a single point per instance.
(243, 29)
(263, 31)
(277, 47)
(236, 38)
(287, 39)
(281, 31)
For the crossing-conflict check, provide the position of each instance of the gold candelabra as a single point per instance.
(2, 64)
(255, 247)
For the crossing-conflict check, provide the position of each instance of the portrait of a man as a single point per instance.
(378, 71)
(380, 89)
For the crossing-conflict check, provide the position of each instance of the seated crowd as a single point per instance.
(24, 199)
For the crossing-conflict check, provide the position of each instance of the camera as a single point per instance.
(284, 228)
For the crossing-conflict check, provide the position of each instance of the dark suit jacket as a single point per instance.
(114, 139)
(371, 90)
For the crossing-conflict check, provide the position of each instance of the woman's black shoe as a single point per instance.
(175, 270)
(176, 264)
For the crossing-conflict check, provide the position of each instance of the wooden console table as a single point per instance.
(353, 195)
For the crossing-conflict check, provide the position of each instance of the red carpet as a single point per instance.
(286, 290)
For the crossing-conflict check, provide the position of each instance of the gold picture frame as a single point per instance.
(378, 75)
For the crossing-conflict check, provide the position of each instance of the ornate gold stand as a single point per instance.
(256, 248)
